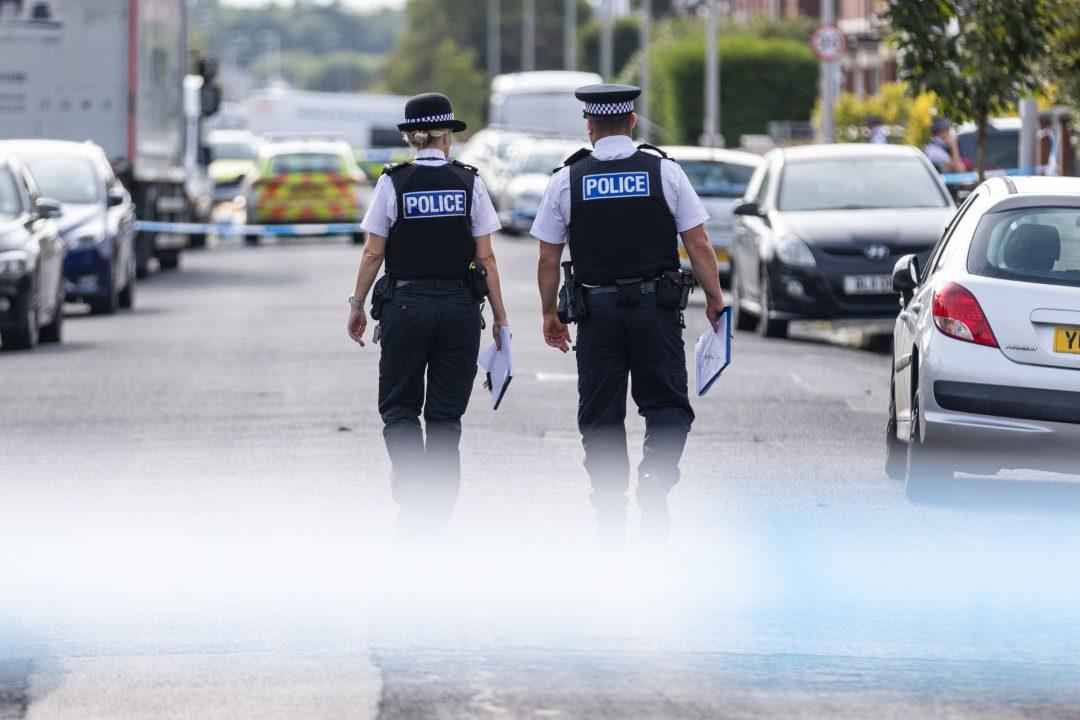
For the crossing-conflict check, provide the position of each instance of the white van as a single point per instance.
(542, 102)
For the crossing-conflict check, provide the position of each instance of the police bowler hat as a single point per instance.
(430, 111)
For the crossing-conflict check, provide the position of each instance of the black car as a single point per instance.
(821, 227)
(31, 261)
(98, 221)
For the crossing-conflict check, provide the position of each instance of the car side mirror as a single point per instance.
(48, 208)
(749, 209)
(115, 197)
(906, 275)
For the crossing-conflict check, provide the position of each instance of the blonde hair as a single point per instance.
(420, 139)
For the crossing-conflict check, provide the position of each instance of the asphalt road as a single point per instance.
(195, 522)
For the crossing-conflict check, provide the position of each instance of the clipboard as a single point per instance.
(712, 354)
(499, 368)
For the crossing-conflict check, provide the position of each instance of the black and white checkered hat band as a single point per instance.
(433, 118)
(621, 108)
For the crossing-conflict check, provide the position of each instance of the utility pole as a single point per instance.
(828, 81)
(494, 39)
(1029, 133)
(528, 35)
(570, 35)
(606, 49)
(710, 137)
(646, 36)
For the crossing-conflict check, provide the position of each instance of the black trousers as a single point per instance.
(645, 344)
(430, 342)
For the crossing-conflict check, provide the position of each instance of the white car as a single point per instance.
(986, 360)
(720, 178)
(529, 172)
(489, 151)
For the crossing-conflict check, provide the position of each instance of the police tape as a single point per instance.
(179, 228)
(972, 178)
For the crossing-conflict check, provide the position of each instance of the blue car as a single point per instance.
(98, 220)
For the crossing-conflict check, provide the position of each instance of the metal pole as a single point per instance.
(646, 36)
(606, 62)
(1029, 129)
(828, 80)
(570, 35)
(711, 129)
(528, 35)
(494, 39)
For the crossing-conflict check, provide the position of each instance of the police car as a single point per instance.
(719, 177)
(297, 182)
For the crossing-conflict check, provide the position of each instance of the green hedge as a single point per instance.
(761, 79)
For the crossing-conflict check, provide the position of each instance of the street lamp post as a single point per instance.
(528, 35)
(570, 35)
(606, 49)
(828, 82)
(494, 39)
(646, 36)
(710, 136)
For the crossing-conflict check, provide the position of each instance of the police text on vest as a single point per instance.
(615, 185)
(434, 203)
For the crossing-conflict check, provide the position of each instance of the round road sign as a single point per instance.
(828, 42)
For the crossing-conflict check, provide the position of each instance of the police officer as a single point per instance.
(431, 221)
(620, 208)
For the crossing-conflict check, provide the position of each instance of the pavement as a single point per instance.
(195, 522)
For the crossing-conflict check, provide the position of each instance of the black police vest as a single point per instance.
(620, 225)
(432, 235)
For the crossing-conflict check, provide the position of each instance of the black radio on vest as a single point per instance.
(620, 225)
(432, 235)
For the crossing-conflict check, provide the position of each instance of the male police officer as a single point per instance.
(620, 208)
(432, 221)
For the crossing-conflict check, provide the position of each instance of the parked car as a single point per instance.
(31, 261)
(299, 182)
(986, 359)
(529, 171)
(821, 228)
(490, 151)
(720, 178)
(98, 219)
(232, 158)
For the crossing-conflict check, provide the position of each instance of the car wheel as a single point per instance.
(251, 240)
(144, 250)
(127, 295)
(895, 451)
(359, 238)
(929, 470)
(169, 259)
(108, 304)
(740, 318)
(769, 327)
(25, 337)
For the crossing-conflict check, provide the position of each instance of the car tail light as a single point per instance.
(958, 314)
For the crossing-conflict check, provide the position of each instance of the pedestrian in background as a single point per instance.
(875, 131)
(620, 208)
(431, 220)
(943, 150)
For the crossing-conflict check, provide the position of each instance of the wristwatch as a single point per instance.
(358, 304)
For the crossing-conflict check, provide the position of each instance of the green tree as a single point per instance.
(1065, 54)
(625, 34)
(979, 57)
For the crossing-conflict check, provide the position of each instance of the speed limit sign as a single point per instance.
(828, 42)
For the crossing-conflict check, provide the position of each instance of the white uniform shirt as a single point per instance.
(553, 216)
(382, 212)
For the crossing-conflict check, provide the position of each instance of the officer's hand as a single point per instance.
(556, 334)
(496, 330)
(712, 312)
(357, 324)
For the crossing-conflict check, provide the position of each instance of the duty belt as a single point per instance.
(432, 284)
(649, 286)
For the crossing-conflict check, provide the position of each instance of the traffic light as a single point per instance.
(210, 93)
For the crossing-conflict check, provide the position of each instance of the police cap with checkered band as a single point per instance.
(608, 100)
(430, 111)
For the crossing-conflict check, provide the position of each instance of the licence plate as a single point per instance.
(1067, 340)
(868, 284)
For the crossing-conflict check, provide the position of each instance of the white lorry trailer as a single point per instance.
(110, 71)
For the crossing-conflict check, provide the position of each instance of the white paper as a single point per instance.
(499, 367)
(713, 352)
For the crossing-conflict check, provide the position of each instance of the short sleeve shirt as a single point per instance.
(553, 216)
(382, 211)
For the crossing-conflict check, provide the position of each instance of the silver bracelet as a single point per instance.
(358, 304)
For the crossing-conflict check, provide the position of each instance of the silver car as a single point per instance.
(986, 360)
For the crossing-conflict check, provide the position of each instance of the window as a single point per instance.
(232, 151)
(763, 188)
(305, 163)
(717, 179)
(961, 226)
(9, 195)
(859, 184)
(66, 178)
(1035, 244)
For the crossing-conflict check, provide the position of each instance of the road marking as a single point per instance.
(556, 377)
(797, 379)
(209, 687)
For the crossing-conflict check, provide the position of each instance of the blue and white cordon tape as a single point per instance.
(230, 229)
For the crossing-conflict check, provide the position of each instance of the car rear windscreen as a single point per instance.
(9, 196)
(305, 163)
(717, 179)
(66, 178)
(232, 151)
(1038, 245)
(858, 183)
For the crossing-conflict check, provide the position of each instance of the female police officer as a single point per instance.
(431, 220)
